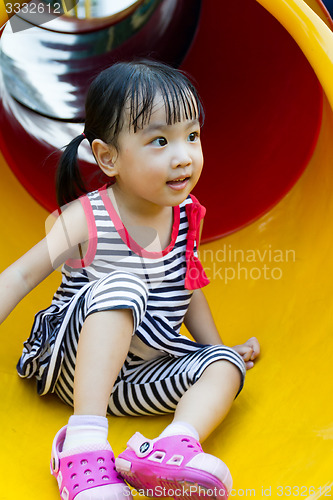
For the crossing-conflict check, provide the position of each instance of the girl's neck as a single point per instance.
(157, 218)
(131, 210)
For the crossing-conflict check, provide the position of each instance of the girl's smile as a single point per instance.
(178, 184)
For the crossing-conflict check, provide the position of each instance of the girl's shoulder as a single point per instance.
(72, 219)
(81, 209)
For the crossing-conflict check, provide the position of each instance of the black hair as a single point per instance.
(130, 85)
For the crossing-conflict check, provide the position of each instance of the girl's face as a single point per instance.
(160, 164)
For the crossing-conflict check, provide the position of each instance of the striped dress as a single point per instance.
(117, 273)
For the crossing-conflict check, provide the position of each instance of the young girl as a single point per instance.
(110, 342)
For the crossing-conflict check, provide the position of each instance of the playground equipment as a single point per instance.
(329, 6)
(264, 70)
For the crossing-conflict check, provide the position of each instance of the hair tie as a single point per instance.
(84, 135)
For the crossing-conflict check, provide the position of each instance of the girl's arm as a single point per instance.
(200, 323)
(199, 320)
(69, 230)
(22, 276)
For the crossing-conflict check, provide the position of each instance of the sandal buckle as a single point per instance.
(140, 445)
(144, 447)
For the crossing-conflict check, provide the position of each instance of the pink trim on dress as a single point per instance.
(92, 235)
(126, 237)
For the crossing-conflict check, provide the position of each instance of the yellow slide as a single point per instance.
(272, 279)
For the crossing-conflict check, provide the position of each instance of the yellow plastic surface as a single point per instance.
(273, 280)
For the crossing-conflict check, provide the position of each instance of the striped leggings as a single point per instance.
(143, 386)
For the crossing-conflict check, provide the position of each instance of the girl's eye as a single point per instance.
(194, 136)
(160, 141)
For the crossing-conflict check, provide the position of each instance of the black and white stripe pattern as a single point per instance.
(118, 278)
(154, 387)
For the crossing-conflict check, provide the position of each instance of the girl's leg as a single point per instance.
(103, 346)
(97, 341)
(199, 387)
(210, 379)
(206, 403)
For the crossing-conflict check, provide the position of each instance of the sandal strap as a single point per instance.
(170, 446)
(141, 446)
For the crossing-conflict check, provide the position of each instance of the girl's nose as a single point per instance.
(181, 158)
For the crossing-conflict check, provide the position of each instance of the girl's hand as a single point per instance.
(249, 351)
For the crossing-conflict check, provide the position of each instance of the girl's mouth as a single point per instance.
(178, 184)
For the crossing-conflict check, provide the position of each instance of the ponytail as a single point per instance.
(69, 183)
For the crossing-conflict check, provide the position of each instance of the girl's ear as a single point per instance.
(105, 155)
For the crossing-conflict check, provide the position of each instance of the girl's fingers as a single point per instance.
(249, 351)
(254, 344)
(248, 354)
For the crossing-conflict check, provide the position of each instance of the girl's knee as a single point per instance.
(223, 363)
(222, 369)
(224, 374)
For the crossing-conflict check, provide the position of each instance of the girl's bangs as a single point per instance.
(180, 100)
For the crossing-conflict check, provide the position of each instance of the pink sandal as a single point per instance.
(173, 466)
(83, 471)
